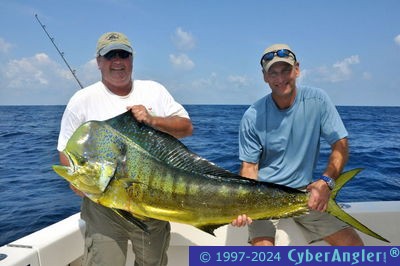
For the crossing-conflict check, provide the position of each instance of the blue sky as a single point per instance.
(205, 51)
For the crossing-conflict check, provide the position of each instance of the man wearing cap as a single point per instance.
(279, 142)
(107, 234)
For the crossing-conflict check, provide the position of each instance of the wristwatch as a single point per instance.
(329, 181)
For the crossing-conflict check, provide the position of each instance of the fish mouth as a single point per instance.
(72, 163)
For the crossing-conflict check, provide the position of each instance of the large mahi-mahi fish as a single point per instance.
(135, 169)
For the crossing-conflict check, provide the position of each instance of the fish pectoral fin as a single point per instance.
(210, 228)
(106, 174)
(132, 219)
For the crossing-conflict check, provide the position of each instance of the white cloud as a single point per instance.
(238, 80)
(183, 40)
(206, 83)
(342, 69)
(181, 61)
(222, 84)
(338, 72)
(367, 76)
(216, 89)
(397, 39)
(26, 72)
(35, 80)
(42, 72)
(89, 73)
(4, 46)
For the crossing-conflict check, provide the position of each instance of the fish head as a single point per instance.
(90, 177)
(93, 154)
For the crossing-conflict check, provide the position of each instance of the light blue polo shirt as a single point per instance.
(286, 143)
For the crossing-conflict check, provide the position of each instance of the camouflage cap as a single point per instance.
(113, 41)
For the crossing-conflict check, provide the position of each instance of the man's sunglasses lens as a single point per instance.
(121, 54)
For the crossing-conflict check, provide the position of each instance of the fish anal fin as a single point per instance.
(136, 220)
(209, 229)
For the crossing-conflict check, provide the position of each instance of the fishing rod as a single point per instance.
(58, 50)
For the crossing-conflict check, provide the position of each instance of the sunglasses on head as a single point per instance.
(114, 53)
(280, 53)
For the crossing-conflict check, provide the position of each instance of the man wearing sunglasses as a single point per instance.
(279, 142)
(107, 234)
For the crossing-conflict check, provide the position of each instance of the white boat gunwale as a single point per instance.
(62, 243)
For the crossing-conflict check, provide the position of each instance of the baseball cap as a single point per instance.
(113, 41)
(286, 56)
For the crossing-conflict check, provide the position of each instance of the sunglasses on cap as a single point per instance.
(114, 53)
(280, 53)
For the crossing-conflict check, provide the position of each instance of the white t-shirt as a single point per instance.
(96, 102)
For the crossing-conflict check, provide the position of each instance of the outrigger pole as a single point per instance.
(58, 50)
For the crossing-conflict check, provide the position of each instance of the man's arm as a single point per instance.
(176, 126)
(249, 170)
(338, 158)
(319, 190)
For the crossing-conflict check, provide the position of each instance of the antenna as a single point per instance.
(58, 50)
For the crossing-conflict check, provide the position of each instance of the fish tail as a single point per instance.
(335, 210)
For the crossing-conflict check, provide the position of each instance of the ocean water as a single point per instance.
(33, 196)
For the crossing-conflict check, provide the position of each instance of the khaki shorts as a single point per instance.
(315, 226)
(107, 235)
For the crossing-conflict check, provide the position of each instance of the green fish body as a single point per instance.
(135, 169)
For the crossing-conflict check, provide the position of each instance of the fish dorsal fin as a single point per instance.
(165, 147)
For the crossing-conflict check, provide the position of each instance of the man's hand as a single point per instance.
(242, 220)
(77, 191)
(319, 195)
(141, 114)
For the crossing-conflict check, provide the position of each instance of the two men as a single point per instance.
(278, 142)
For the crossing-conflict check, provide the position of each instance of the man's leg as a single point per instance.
(323, 226)
(344, 237)
(151, 249)
(105, 238)
(262, 232)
